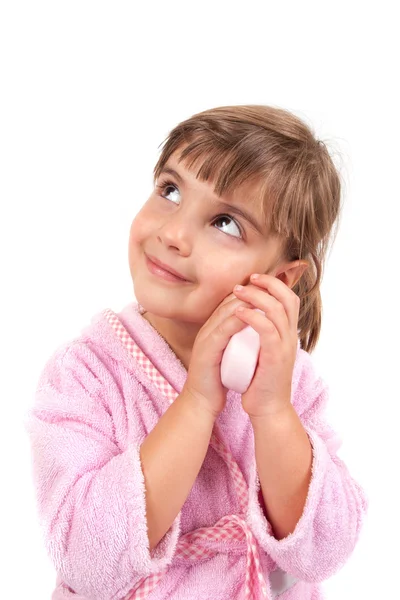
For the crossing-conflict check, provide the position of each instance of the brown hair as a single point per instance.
(300, 187)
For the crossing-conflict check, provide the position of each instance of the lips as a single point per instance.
(166, 267)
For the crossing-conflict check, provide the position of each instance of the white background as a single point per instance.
(88, 92)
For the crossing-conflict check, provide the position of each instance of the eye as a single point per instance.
(228, 218)
(168, 188)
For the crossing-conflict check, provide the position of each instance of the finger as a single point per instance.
(260, 323)
(227, 301)
(224, 310)
(281, 292)
(272, 308)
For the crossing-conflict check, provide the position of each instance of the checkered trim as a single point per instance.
(231, 527)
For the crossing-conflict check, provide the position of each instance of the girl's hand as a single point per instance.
(270, 389)
(203, 381)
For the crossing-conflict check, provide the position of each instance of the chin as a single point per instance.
(153, 302)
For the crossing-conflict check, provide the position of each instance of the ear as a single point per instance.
(291, 273)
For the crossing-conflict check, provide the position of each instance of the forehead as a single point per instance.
(247, 192)
(243, 200)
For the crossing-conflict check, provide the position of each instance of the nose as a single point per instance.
(177, 231)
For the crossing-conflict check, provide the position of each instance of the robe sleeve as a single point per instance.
(329, 528)
(90, 494)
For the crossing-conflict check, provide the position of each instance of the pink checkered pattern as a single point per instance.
(230, 527)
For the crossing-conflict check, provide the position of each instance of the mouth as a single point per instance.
(163, 271)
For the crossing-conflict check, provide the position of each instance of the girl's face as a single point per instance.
(186, 226)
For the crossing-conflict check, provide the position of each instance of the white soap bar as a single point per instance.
(240, 359)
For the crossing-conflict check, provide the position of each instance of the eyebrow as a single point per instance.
(235, 209)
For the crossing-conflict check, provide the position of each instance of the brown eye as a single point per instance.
(228, 218)
(166, 188)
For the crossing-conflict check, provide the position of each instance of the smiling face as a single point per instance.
(186, 226)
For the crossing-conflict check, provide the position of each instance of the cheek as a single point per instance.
(139, 230)
(222, 271)
(136, 244)
(218, 278)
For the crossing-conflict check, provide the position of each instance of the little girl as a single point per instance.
(153, 479)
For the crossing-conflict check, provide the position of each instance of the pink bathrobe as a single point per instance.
(95, 405)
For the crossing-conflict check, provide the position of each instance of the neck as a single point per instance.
(178, 336)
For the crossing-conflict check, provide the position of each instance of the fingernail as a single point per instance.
(255, 276)
(237, 288)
